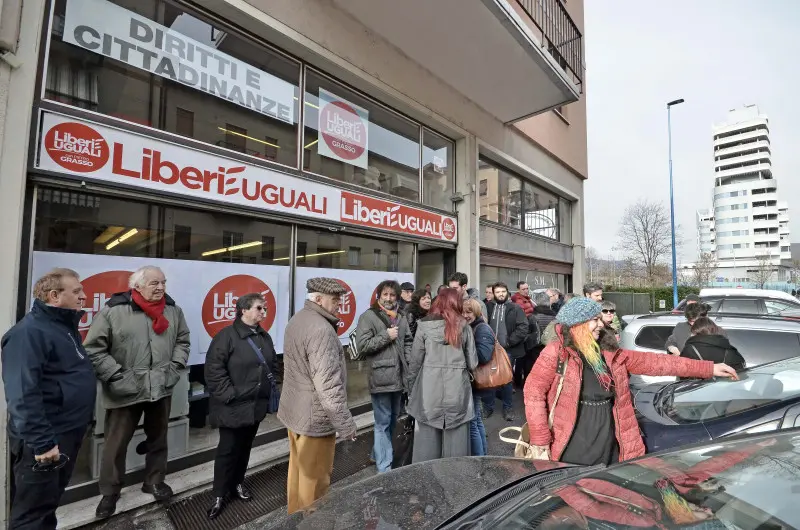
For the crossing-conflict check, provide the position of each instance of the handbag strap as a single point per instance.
(261, 359)
(696, 352)
(561, 370)
(515, 441)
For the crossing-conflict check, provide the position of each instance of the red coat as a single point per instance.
(541, 385)
(524, 302)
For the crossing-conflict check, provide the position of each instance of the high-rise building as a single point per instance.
(747, 227)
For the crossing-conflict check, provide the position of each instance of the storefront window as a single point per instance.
(541, 212)
(500, 195)
(209, 259)
(359, 264)
(535, 279)
(365, 144)
(437, 170)
(153, 63)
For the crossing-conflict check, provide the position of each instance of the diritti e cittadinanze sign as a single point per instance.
(99, 152)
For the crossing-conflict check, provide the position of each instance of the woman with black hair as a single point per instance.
(240, 364)
(709, 343)
(417, 309)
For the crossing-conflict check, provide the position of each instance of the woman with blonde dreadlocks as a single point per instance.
(590, 420)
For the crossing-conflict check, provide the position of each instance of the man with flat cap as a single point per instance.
(313, 404)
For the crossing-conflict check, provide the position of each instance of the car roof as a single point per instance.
(751, 293)
(727, 320)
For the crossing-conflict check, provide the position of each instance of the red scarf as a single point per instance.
(154, 310)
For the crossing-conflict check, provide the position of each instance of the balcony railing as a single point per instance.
(560, 35)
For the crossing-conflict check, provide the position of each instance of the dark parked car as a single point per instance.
(744, 483)
(765, 398)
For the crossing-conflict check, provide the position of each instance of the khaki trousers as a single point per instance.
(310, 468)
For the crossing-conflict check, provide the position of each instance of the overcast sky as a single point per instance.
(716, 54)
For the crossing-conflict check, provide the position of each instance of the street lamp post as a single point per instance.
(672, 205)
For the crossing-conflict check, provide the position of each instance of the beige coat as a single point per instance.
(314, 394)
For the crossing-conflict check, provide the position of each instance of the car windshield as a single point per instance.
(746, 484)
(696, 401)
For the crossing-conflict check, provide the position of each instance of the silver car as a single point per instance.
(760, 339)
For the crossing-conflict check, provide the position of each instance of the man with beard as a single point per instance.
(383, 336)
(510, 326)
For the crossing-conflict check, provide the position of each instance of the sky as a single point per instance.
(717, 55)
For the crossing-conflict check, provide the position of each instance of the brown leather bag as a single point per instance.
(496, 372)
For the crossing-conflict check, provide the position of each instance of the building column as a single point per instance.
(16, 99)
(578, 245)
(468, 254)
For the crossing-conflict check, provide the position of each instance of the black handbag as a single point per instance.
(403, 441)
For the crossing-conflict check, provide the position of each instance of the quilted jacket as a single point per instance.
(314, 393)
(541, 385)
(524, 302)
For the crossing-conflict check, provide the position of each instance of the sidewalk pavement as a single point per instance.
(156, 518)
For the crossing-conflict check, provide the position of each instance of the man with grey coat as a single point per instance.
(139, 346)
(384, 337)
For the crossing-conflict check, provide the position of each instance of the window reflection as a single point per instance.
(437, 170)
(393, 145)
(330, 250)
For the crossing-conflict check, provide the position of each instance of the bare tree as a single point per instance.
(763, 272)
(644, 236)
(705, 268)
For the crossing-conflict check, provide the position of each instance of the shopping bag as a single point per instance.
(523, 447)
(403, 441)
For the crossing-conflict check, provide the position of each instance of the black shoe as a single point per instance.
(216, 508)
(107, 506)
(243, 493)
(487, 413)
(508, 415)
(161, 491)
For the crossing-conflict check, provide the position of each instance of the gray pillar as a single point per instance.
(468, 255)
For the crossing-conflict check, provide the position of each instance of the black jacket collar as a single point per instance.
(244, 331)
(69, 317)
(125, 298)
(544, 310)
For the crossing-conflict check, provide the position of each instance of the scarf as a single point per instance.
(391, 313)
(154, 310)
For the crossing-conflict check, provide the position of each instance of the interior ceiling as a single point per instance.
(467, 45)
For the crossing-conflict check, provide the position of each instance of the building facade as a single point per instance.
(249, 145)
(748, 227)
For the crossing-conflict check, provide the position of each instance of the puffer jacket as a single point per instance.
(314, 394)
(121, 339)
(542, 383)
(386, 356)
(440, 391)
(524, 302)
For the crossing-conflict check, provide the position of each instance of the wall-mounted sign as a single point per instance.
(343, 130)
(90, 150)
(113, 31)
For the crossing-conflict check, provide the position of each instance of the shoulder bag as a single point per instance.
(496, 373)
(274, 394)
(523, 447)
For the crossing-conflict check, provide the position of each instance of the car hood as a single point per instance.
(421, 495)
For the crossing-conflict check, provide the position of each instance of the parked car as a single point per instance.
(759, 338)
(745, 301)
(765, 398)
(743, 483)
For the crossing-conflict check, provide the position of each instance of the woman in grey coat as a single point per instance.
(439, 380)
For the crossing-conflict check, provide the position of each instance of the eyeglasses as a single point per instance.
(260, 308)
(41, 467)
(609, 311)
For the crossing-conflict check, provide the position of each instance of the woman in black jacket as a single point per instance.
(417, 309)
(709, 343)
(240, 364)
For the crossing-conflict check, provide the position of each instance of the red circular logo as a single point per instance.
(343, 130)
(219, 305)
(98, 289)
(347, 309)
(448, 228)
(76, 147)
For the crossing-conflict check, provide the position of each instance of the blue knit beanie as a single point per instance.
(577, 311)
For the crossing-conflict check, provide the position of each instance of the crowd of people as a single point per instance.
(420, 350)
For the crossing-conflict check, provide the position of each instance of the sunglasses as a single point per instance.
(609, 311)
(260, 308)
(41, 467)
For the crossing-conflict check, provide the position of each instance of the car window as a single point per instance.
(759, 346)
(694, 403)
(653, 337)
(775, 307)
(749, 307)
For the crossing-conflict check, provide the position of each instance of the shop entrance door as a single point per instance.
(434, 265)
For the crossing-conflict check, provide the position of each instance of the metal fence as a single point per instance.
(629, 303)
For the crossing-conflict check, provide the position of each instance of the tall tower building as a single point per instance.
(747, 222)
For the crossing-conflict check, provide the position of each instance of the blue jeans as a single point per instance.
(386, 408)
(477, 433)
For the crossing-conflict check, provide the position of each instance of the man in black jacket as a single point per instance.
(50, 391)
(510, 326)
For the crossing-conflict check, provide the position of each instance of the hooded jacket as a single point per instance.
(121, 340)
(386, 357)
(715, 348)
(50, 385)
(542, 384)
(524, 302)
(513, 317)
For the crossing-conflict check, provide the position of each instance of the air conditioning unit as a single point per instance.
(403, 186)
